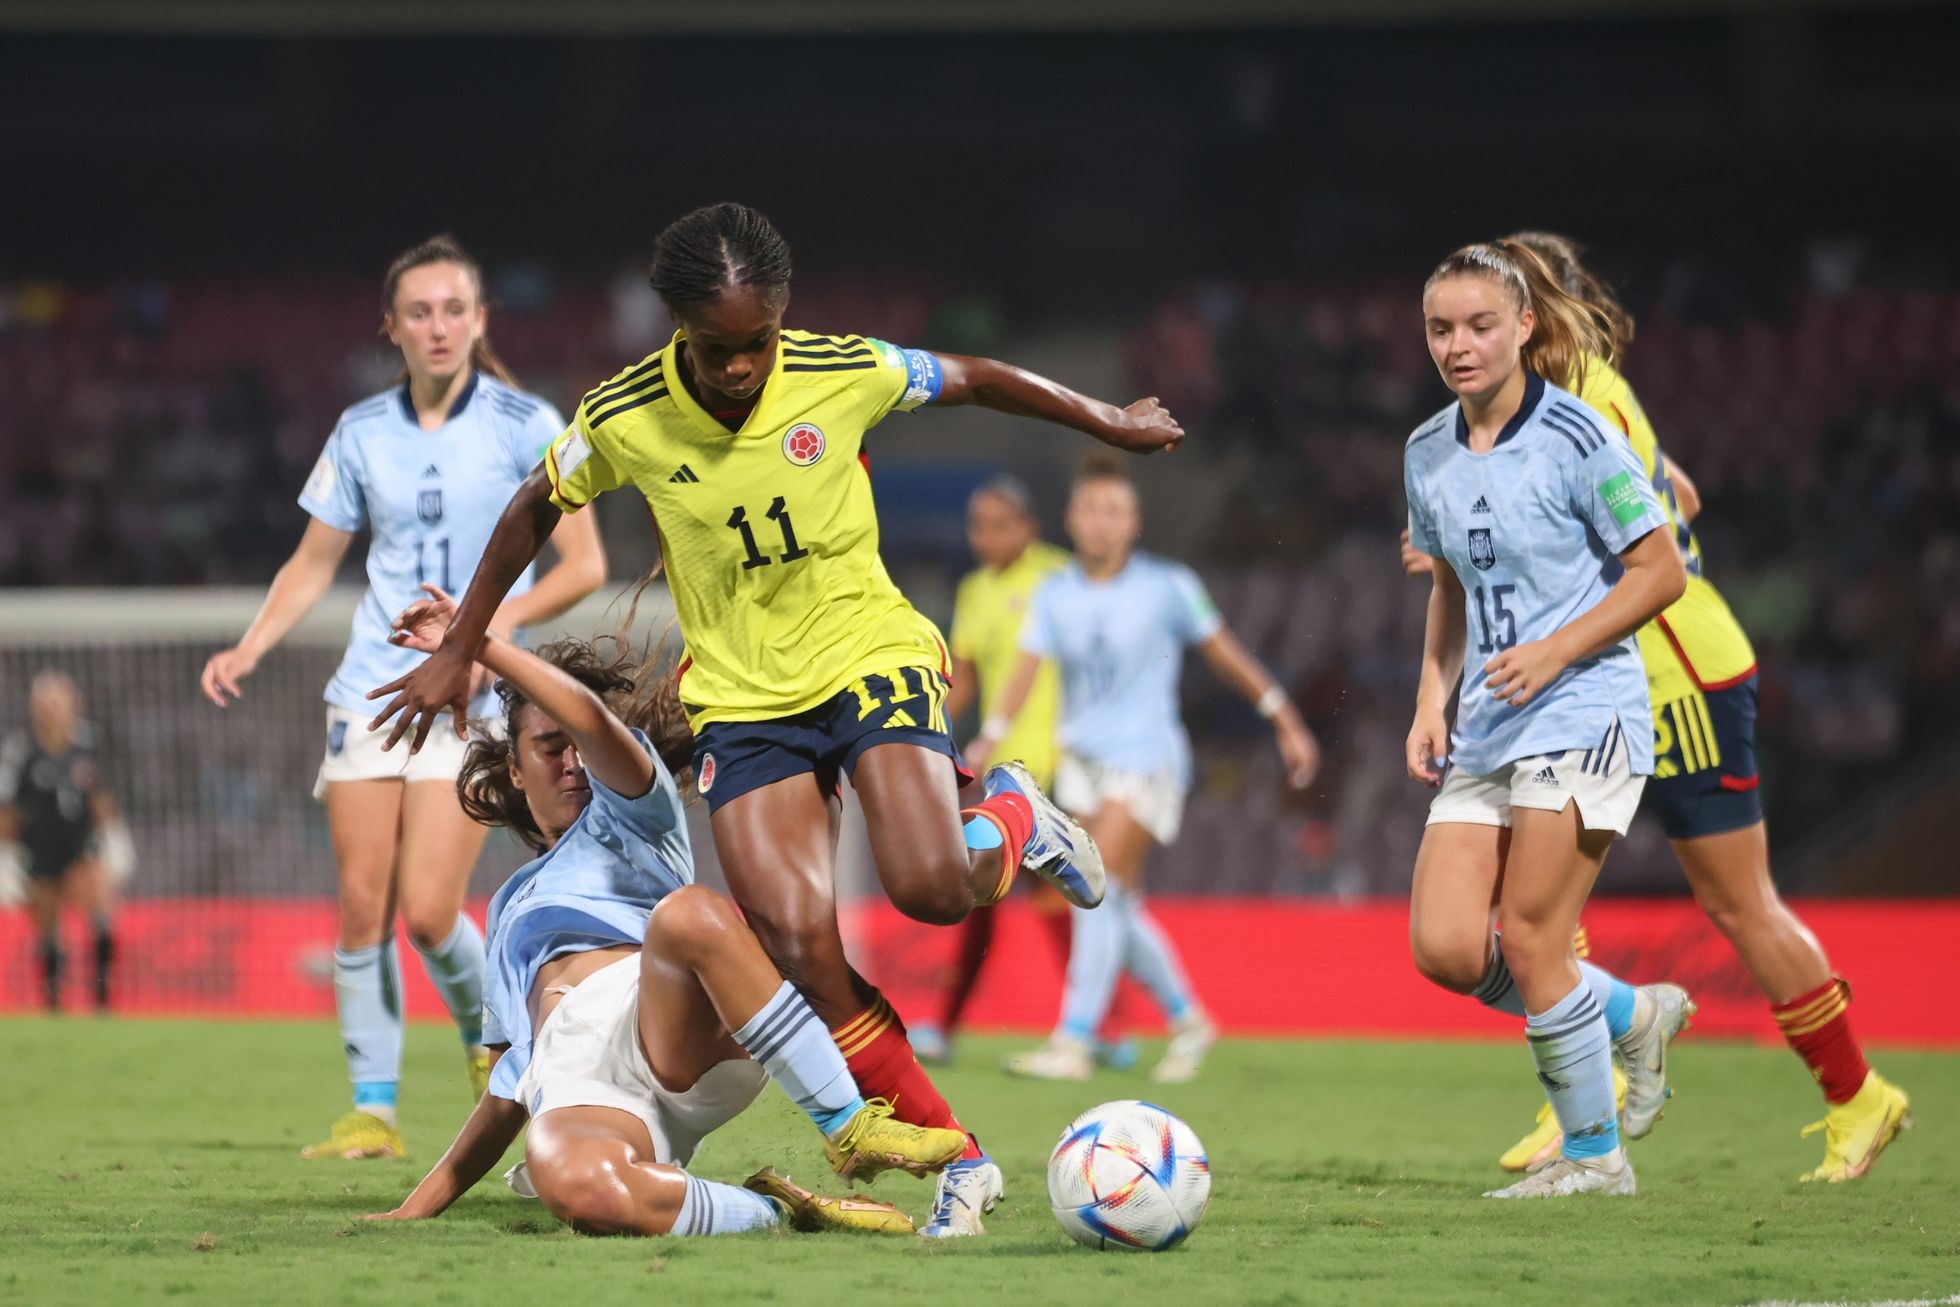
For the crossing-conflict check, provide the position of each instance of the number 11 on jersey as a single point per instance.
(779, 514)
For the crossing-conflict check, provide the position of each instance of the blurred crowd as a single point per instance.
(155, 434)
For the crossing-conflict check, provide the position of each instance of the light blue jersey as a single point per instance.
(593, 889)
(1534, 530)
(430, 500)
(1119, 645)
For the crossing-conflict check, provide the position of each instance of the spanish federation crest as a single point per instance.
(428, 506)
(1483, 555)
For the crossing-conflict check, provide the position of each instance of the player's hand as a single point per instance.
(423, 623)
(399, 1214)
(1520, 673)
(441, 684)
(1414, 561)
(1428, 747)
(1299, 750)
(222, 673)
(1146, 427)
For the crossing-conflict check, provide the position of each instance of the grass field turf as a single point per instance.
(155, 1160)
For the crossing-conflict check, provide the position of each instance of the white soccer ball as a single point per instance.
(1129, 1175)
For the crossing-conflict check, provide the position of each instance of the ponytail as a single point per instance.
(1568, 330)
(1564, 257)
(445, 248)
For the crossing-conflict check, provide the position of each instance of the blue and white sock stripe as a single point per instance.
(1586, 1009)
(697, 1209)
(765, 1036)
(1497, 985)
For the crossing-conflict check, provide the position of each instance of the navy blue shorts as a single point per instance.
(904, 707)
(1705, 779)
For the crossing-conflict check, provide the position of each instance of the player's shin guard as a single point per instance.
(367, 994)
(712, 1208)
(880, 1059)
(790, 1043)
(1574, 1055)
(1817, 1026)
(455, 968)
(1095, 963)
(1003, 822)
(1149, 955)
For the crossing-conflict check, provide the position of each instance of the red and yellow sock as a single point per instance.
(880, 1058)
(1818, 1026)
(1009, 819)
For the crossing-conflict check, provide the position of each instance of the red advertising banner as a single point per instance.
(1263, 966)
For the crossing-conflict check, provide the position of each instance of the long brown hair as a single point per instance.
(444, 248)
(1568, 330)
(1565, 257)
(640, 687)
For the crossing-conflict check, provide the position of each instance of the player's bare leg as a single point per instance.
(1729, 873)
(438, 850)
(1459, 871)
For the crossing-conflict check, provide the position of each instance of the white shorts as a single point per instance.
(1605, 790)
(354, 753)
(1155, 799)
(588, 1055)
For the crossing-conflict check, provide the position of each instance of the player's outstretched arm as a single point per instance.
(490, 1129)
(1654, 578)
(1013, 695)
(442, 683)
(605, 745)
(1237, 667)
(1143, 428)
(300, 582)
(1428, 745)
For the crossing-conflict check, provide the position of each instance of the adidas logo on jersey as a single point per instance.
(432, 471)
(685, 475)
(1481, 506)
(1545, 776)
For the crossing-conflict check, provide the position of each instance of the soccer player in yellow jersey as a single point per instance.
(803, 661)
(1701, 677)
(988, 611)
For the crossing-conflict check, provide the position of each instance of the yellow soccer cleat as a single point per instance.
(1545, 1139)
(1856, 1132)
(815, 1213)
(874, 1142)
(357, 1135)
(479, 1068)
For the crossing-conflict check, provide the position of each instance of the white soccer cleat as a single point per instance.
(1191, 1039)
(1660, 1012)
(1563, 1177)
(1058, 850)
(966, 1192)
(1061, 1058)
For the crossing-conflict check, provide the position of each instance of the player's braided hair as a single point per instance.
(641, 689)
(444, 249)
(1565, 257)
(1569, 330)
(703, 253)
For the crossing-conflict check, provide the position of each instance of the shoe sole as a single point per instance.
(1688, 1010)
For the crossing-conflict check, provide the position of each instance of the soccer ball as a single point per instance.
(1129, 1175)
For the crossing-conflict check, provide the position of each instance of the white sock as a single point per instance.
(1574, 1054)
(709, 1207)
(455, 967)
(796, 1050)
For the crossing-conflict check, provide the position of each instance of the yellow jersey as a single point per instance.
(1696, 644)
(988, 612)
(767, 533)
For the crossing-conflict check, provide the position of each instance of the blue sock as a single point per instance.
(1615, 998)
(1149, 956)
(367, 995)
(796, 1050)
(1574, 1055)
(456, 968)
(712, 1208)
(982, 834)
(1095, 961)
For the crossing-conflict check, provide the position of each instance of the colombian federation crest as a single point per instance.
(428, 506)
(704, 775)
(803, 444)
(1483, 555)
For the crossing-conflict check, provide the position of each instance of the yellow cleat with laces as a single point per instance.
(815, 1212)
(873, 1141)
(355, 1136)
(1857, 1131)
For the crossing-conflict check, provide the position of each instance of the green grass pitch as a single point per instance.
(146, 1161)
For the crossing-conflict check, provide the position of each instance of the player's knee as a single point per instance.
(690, 924)
(1532, 949)
(363, 919)
(1454, 960)
(429, 929)
(935, 893)
(586, 1192)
